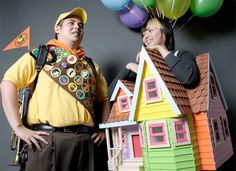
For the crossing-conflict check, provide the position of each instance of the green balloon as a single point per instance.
(145, 3)
(205, 8)
(173, 9)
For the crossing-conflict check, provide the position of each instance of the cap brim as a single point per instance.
(79, 12)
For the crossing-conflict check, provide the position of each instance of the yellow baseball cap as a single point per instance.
(79, 12)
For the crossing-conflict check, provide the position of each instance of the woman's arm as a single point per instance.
(184, 67)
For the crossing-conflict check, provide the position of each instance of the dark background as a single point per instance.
(112, 45)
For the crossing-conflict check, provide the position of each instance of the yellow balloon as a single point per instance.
(173, 9)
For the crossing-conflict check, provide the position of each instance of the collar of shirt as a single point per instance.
(54, 42)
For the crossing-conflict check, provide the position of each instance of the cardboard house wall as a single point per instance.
(209, 111)
(169, 140)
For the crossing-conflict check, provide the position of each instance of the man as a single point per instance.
(60, 113)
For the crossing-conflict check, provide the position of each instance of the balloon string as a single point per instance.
(181, 9)
(174, 23)
(157, 11)
(153, 14)
(144, 6)
(185, 23)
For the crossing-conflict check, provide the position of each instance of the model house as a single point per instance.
(175, 128)
(124, 152)
(209, 111)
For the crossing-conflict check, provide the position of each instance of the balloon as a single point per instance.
(133, 16)
(205, 8)
(115, 4)
(145, 3)
(173, 9)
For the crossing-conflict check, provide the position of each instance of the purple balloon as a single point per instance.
(133, 16)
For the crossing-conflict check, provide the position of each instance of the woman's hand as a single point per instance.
(133, 67)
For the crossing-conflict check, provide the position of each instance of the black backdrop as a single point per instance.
(113, 45)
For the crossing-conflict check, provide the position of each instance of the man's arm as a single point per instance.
(106, 108)
(98, 137)
(10, 106)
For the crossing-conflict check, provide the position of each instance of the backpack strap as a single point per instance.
(40, 55)
(92, 65)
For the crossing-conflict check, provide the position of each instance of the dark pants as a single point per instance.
(64, 152)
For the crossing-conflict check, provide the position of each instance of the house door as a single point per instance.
(136, 146)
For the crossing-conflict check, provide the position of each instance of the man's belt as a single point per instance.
(81, 129)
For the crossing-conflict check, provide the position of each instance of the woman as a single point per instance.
(158, 34)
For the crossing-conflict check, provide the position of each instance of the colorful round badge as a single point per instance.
(90, 81)
(87, 102)
(64, 65)
(64, 80)
(52, 47)
(78, 80)
(72, 87)
(59, 58)
(85, 87)
(71, 72)
(78, 66)
(56, 72)
(35, 52)
(84, 73)
(58, 50)
(80, 94)
(72, 59)
(48, 67)
(65, 54)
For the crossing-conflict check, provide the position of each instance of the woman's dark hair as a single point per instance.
(167, 30)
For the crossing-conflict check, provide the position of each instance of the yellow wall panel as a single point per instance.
(155, 110)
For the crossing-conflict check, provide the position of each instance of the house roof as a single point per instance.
(176, 89)
(120, 119)
(198, 96)
(129, 85)
(126, 86)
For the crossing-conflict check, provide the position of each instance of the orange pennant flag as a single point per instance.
(20, 41)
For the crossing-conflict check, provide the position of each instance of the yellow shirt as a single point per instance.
(50, 103)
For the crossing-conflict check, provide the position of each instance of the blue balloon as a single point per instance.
(115, 4)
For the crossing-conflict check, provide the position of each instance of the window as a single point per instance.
(213, 86)
(215, 129)
(158, 135)
(211, 131)
(124, 104)
(152, 90)
(123, 137)
(181, 132)
(225, 127)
